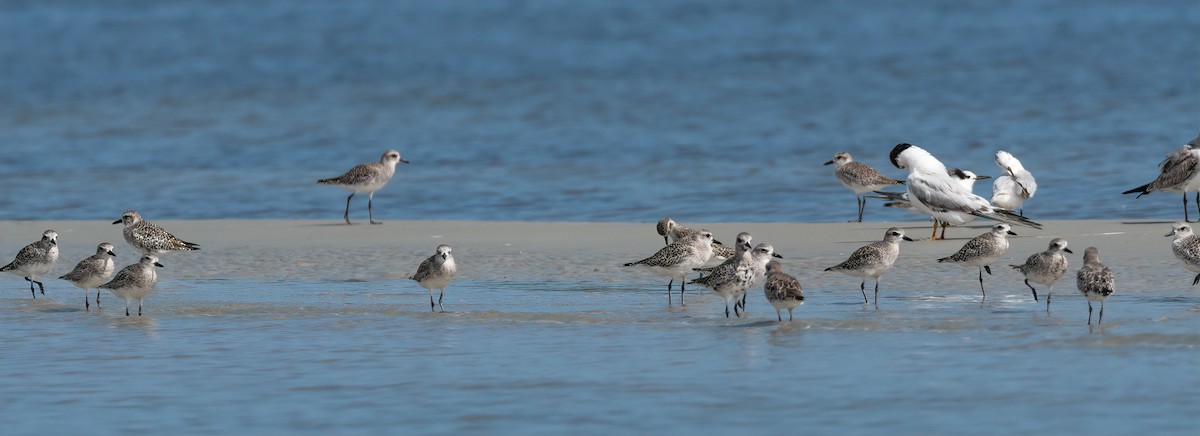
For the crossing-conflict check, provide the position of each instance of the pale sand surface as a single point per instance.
(554, 251)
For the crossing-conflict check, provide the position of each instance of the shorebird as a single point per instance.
(860, 178)
(677, 259)
(367, 177)
(732, 278)
(872, 260)
(34, 260)
(135, 281)
(1095, 281)
(148, 238)
(782, 290)
(435, 273)
(981, 251)
(934, 193)
(1186, 247)
(1045, 268)
(1016, 185)
(1180, 174)
(672, 231)
(92, 272)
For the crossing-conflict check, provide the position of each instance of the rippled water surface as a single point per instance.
(580, 111)
(250, 356)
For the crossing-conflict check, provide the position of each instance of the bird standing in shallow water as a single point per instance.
(677, 260)
(435, 273)
(1045, 267)
(135, 281)
(367, 177)
(92, 272)
(1095, 281)
(872, 260)
(782, 290)
(1186, 247)
(981, 251)
(34, 260)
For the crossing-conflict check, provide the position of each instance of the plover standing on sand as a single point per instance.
(782, 290)
(860, 178)
(677, 259)
(1186, 247)
(1095, 281)
(148, 238)
(1045, 268)
(367, 177)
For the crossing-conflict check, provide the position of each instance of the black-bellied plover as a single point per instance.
(435, 273)
(672, 231)
(148, 238)
(135, 281)
(860, 178)
(1180, 174)
(872, 260)
(1016, 185)
(981, 251)
(1095, 281)
(93, 271)
(1045, 268)
(732, 278)
(741, 246)
(34, 260)
(782, 290)
(932, 191)
(367, 177)
(677, 259)
(1186, 247)
(899, 200)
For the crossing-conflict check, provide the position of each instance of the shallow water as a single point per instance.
(593, 357)
(580, 111)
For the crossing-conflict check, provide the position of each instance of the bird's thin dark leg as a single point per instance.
(981, 283)
(1089, 312)
(97, 298)
(735, 310)
(346, 215)
(40, 287)
(139, 307)
(86, 306)
(1185, 209)
(669, 291)
(744, 301)
(1031, 289)
(371, 213)
(682, 287)
(862, 203)
(441, 292)
(31, 291)
(431, 306)
(1196, 280)
(876, 291)
(127, 310)
(1049, 292)
(1101, 320)
(1198, 203)
(862, 287)
(727, 309)
(779, 316)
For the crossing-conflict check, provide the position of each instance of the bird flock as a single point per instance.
(945, 195)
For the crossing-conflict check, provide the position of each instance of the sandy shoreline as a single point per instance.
(327, 250)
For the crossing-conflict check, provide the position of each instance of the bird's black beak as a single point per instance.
(158, 264)
(666, 241)
(444, 256)
(403, 161)
(1172, 233)
(906, 238)
(1012, 233)
(110, 253)
(117, 222)
(1068, 250)
(828, 163)
(776, 255)
(717, 242)
(982, 177)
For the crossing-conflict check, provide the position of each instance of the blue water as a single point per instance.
(580, 110)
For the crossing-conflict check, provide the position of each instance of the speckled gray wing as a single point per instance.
(1188, 250)
(667, 257)
(782, 287)
(719, 274)
(858, 173)
(863, 257)
(428, 269)
(130, 276)
(36, 252)
(720, 250)
(361, 174)
(92, 266)
(981, 246)
(1096, 279)
(148, 236)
